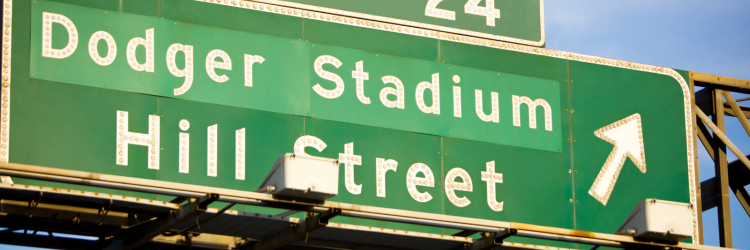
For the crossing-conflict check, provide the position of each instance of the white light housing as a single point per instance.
(659, 220)
(303, 176)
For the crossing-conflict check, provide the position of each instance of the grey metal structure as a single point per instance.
(122, 222)
(716, 100)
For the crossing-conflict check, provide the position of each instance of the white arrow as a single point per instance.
(627, 136)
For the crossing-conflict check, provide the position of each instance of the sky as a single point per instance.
(710, 37)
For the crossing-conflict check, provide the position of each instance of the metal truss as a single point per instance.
(296, 231)
(730, 177)
(122, 222)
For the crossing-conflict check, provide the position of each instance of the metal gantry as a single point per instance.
(716, 100)
(122, 222)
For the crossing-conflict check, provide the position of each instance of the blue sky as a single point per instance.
(704, 36)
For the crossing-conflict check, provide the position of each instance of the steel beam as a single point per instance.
(705, 137)
(703, 100)
(720, 167)
(93, 200)
(288, 213)
(465, 233)
(357, 211)
(192, 242)
(54, 225)
(47, 241)
(576, 239)
(204, 221)
(723, 185)
(739, 177)
(322, 244)
(492, 240)
(726, 83)
(743, 197)
(709, 194)
(723, 138)
(85, 216)
(134, 237)
(739, 174)
(696, 173)
(179, 199)
(312, 223)
(738, 112)
(744, 110)
(425, 221)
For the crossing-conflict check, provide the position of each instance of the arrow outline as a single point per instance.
(640, 163)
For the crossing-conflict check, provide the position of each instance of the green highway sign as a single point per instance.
(208, 94)
(517, 21)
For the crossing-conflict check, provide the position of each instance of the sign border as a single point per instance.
(7, 49)
(6, 74)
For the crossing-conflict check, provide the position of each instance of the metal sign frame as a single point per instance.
(496, 231)
(731, 177)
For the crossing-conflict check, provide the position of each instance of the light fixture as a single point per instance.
(659, 220)
(303, 176)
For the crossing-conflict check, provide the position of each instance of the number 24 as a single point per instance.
(471, 7)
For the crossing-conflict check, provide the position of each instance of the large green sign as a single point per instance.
(208, 94)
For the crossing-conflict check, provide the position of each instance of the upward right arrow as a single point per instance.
(627, 136)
